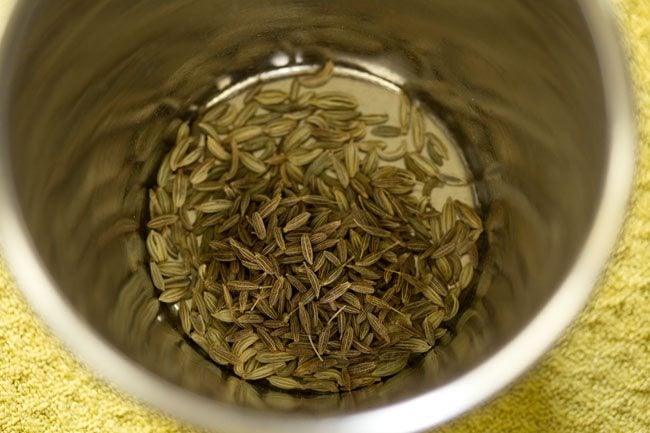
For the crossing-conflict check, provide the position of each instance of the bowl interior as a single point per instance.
(95, 86)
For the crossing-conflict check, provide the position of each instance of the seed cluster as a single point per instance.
(299, 251)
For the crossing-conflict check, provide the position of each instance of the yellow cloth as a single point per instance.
(596, 379)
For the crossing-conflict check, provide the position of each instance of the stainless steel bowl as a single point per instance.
(534, 92)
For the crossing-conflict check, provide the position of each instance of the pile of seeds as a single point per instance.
(297, 247)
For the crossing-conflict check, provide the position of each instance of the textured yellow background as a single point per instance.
(596, 379)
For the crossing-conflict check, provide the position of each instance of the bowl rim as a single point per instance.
(449, 400)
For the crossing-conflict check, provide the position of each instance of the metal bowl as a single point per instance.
(535, 94)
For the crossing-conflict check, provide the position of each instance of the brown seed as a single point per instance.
(305, 322)
(347, 339)
(306, 249)
(269, 207)
(237, 119)
(156, 276)
(227, 297)
(415, 345)
(323, 339)
(386, 131)
(304, 99)
(191, 157)
(391, 367)
(276, 291)
(361, 369)
(468, 215)
(466, 275)
(392, 155)
(362, 287)
(252, 92)
(297, 222)
(351, 159)
(317, 238)
(443, 250)
(294, 90)
(404, 112)
(301, 157)
(179, 151)
(271, 97)
(419, 162)
(340, 170)
(373, 231)
(284, 382)
(378, 327)
(243, 285)
(310, 367)
(266, 264)
(296, 283)
(333, 276)
(374, 119)
(222, 356)
(162, 221)
(213, 113)
(330, 135)
(321, 386)
(252, 163)
(157, 246)
(262, 372)
(430, 323)
(444, 267)
(330, 374)
(245, 133)
(280, 127)
(200, 173)
(341, 200)
(197, 323)
(299, 115)
(278, 238)
(242, 299)
(266, 338)
(340, 118)
(297, 137)
(437, 144)
(214, 206)
(313, 281)
(452, 180)
(172, 295)
(250, 318)
(320, 78)
(244, 344)
(335, 293)
(418, 129)
(334, 101)
(184, 316)
(234, 164)
(258, 225)
(273, 357)
(164, 201)
(229, 223)
(179, 190)
(370, 259)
